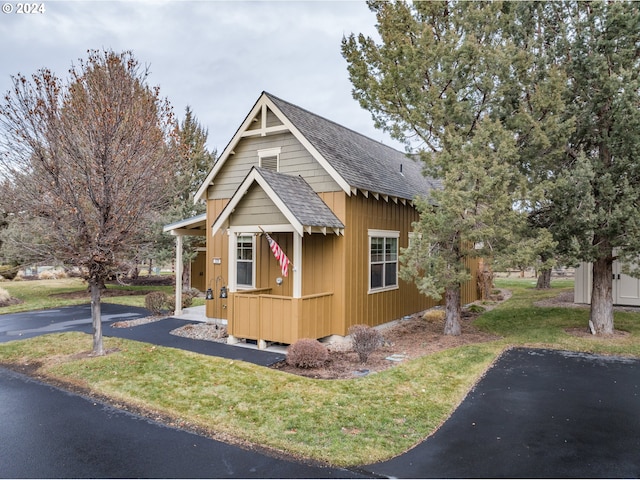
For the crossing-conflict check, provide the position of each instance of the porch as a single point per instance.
(259, 315)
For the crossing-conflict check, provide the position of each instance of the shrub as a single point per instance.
(188, 295)
(433, 316)
(8, 272)
(171, 303)
(365, 340)
(4, 296)
(52, 275)
(307, 353)
(187, 299)
(155, 301)
(476, 309)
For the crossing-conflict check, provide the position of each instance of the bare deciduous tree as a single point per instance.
(89, 158)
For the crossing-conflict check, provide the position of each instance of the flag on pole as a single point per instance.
(283, 260)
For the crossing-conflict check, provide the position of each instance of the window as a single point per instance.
(269, 158)
(383, 260)
(244, 261)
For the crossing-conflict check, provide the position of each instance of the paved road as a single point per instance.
(23, 325)
(536, 413)
(17, 326)
(48, 433)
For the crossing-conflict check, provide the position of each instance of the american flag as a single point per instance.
(283, 260)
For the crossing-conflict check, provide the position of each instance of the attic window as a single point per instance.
(269, 158)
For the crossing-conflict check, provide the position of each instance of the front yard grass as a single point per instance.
(342, 422)
(41, 294)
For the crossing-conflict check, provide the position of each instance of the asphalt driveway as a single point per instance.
(23, 325)
(535, 414)
(49, 433)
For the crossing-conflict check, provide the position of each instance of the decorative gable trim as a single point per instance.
(260, 109)
(255, 176)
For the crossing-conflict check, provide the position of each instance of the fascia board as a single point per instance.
(185, 223)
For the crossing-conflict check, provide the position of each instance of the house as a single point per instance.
(626, 289)
(337, 203)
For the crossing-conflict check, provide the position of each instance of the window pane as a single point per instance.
(245, 248)
(244, 272)
(390, 274)
(377, 249)
(244, 256)
(391, 249)
(376, 276)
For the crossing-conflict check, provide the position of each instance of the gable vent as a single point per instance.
(270, 163)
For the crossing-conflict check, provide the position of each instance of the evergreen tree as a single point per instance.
(436, 80)
(596, 199)
(193, 163)
(561, 77)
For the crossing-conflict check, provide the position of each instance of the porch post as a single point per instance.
(231, 273)
(231, 279)
(297, 264)
(178, 308)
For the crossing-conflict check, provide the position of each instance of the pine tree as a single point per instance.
(596, 198)
(193, 162)
(563, 78)
(436, 80)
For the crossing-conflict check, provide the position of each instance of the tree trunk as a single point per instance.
(601, 317)
(452, 311)
(544, 279)
(96, 316)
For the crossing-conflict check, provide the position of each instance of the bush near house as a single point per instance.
(155, 302)
(365, 340)
(187, 299)
(307, 353)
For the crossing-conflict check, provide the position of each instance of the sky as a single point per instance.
(215, 56)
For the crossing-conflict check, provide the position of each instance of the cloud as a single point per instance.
(216, 56)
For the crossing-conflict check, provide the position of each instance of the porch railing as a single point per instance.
(258, 315)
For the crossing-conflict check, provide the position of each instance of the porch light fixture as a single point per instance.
(223, 292)
(209, 294)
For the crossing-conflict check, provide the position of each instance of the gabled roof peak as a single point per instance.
(355, 161)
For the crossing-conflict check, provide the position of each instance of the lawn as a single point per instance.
(41, 294)
(342, 422)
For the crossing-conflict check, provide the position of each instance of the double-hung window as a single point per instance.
(244, 261)
(383, 260)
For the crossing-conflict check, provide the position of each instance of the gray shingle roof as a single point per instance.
(300, 199)
(364, 163)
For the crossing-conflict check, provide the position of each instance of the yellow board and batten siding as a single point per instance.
(217, 250)
(376, 308)
(335, 283)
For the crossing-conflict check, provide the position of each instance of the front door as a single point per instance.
(198, 273)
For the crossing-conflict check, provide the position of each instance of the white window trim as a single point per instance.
(253, 261)
(385, 234)
(268, 153)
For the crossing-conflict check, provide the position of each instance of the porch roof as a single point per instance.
(293, 196)
(194, 226)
